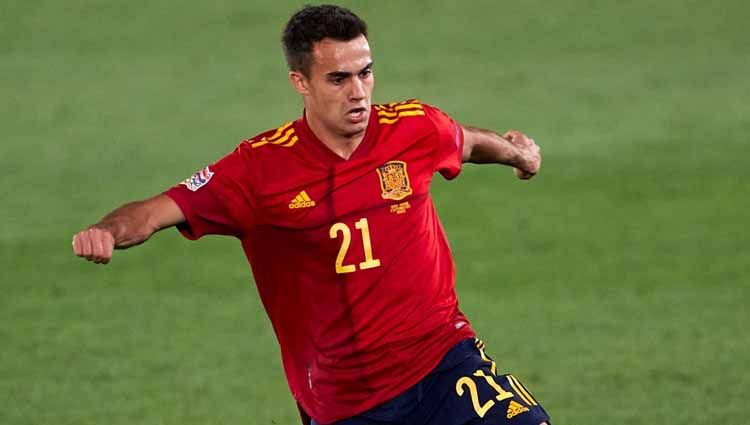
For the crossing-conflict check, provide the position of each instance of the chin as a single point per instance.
(360, 128)
(353, 129)
(353, 133)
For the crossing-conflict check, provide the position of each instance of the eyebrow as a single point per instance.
(343, 74)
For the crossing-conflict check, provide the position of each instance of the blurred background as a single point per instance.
(615, 284)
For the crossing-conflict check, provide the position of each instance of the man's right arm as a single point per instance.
(512, 148)
(127, 226)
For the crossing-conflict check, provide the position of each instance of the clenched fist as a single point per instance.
(529, 156)
(94, 244)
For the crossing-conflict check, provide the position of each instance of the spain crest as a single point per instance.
(394, 181)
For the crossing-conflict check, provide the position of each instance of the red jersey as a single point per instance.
(349, 257)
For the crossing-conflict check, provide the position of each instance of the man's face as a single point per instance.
(339, 88)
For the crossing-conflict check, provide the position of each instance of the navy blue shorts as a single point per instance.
(463, 389)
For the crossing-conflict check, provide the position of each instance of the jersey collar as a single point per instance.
(325, 153)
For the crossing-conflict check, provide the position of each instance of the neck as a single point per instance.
(342, 145)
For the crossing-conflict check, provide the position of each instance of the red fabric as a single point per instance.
(349, 341)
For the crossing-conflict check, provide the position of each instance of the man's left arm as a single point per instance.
(512, 148)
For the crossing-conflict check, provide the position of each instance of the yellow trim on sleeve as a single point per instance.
(283, 139)
(400, 115)
(291, 142)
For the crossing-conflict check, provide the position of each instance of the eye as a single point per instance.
(337, 80)
(365, 73)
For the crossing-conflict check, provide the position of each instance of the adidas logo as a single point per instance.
(302, 200)
(515, 408)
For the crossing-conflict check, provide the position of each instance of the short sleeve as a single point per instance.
(449, 143)
(217, 200)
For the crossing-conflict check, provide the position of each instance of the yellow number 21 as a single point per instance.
(480, 408)
(362, 226)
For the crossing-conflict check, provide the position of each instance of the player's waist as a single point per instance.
(348, 347)
(355, 385)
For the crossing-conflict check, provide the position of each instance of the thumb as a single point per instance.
(521, 174)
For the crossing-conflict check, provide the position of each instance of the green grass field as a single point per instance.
(615, 284)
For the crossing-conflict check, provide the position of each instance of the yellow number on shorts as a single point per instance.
(501, 393)
(481, 409)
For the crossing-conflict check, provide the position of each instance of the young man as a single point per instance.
(350, 259)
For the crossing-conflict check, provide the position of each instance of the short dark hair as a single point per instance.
(314, 23)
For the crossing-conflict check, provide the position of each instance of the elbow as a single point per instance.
(468, 146)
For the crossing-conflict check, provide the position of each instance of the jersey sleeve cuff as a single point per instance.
(456, 164)
(186, 228)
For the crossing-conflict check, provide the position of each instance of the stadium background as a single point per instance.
(614, 284)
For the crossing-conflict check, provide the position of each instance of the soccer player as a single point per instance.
(350, 260)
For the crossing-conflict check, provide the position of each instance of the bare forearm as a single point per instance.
(483, 146)
(129, 225)
(135, 222)
(512, 148)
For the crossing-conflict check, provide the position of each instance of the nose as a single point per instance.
(358, 90)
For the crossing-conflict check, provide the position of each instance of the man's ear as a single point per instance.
(300, 83)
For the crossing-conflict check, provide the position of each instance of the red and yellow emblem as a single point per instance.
(394, 181)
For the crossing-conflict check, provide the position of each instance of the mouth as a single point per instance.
(356, 115)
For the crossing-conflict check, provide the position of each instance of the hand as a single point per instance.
(94, 244)
(529, 156)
